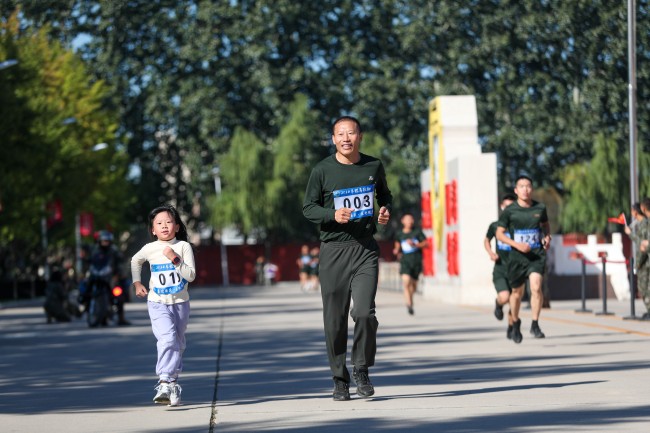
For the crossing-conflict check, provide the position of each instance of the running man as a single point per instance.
(500, 271)
(408, 247)
(527, 222)
(340, 196)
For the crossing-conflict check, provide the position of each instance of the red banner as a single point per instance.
(54, 211)
(426, 210)
(428, 259)
(86, 224)
(451, 202)
(452, 254)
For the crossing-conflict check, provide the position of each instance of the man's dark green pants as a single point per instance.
(349, 269)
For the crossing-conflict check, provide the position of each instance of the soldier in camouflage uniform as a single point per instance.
(641, 237)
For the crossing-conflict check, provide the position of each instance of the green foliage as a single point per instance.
(295, 151)
(244, 171)
(52, 116)
(546, 75)
(264, 185)
(599, 188)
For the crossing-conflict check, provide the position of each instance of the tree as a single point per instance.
(599, 188)
(298, 147)
(546, 76)
(245, 170)
(52, 117)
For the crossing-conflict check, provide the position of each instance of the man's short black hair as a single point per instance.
(636, 207)
(509, 196)
(523, 177)
(350, 118)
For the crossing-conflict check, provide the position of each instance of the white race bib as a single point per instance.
(529, 236)
(166, 279)
(408, 248)
(361, 199)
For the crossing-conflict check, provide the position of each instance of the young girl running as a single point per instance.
(171, 260)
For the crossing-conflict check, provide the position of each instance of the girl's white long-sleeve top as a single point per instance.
(168, 283)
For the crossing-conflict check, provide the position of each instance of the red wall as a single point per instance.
(241, 261)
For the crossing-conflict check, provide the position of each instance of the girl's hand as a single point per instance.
(140, 290)
(169, 253)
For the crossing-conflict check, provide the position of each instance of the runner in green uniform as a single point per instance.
(642, 262)
(527, 222)
(408, 247)
(340, 196)
(500, 271)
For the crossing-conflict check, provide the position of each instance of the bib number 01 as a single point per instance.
(167, 280)
(173, 277)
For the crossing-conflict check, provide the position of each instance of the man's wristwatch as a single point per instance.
(176, 261)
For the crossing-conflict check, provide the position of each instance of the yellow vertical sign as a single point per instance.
(438, 175)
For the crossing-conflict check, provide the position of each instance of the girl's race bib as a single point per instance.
(167, 280)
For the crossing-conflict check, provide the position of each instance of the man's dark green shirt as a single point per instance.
(523, 224)
(410, 254)
(333, 185)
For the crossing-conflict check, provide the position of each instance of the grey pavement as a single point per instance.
(256, 362)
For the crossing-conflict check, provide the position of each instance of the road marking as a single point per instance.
(575, 322)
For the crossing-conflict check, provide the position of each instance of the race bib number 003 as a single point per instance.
(529, 236)
(361, 199)
(167, 280)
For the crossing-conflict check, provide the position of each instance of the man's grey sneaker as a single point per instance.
(175, 394)
(535, 331)
(162, 395)
(498, 310)
(516, 332)
(364, 387)
(341, 390)
(410, 310)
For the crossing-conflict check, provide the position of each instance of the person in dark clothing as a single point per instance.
(340, 196)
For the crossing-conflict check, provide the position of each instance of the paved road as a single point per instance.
(255, 362)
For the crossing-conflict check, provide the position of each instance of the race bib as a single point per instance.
(502, 246)
(361, 199)
(167, 280)
(408, 248)
(529, 236)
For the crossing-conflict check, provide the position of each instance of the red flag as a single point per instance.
(618, 220)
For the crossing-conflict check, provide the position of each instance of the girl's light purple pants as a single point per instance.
(169, 323)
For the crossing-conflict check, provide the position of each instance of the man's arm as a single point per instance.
(488, 247)
(546, 234)
(519, 246)
(312, 207)
(396, 248)
(384, 196)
